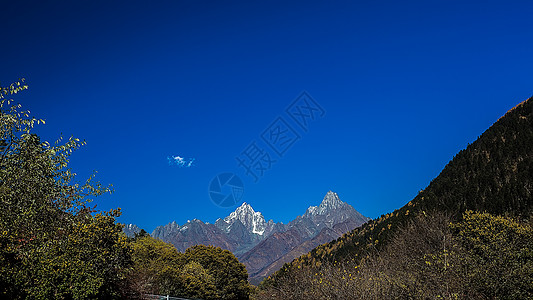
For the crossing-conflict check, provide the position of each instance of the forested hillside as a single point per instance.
(494, 174)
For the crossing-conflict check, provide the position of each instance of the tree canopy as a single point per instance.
(204, 272)
(52, 244)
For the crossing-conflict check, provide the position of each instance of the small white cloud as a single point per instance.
(180, 162)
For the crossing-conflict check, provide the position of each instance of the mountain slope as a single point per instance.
(194, 233)
(493, 174)
(325, 235)
(270, 250)
(317, 225)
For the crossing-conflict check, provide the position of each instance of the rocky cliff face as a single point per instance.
(253, 221)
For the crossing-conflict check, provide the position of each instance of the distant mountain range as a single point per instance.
(260, 245)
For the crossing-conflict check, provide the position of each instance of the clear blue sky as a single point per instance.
(405, 86)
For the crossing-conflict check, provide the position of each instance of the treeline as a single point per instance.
(54, 245)
(480, 257)
(494, 174)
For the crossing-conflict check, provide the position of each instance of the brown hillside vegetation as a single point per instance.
(481, 257)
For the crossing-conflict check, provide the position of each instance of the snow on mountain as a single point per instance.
(312, 210)
(252, 220)
(261, 245)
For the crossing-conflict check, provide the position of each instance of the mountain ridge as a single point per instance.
(257, 243)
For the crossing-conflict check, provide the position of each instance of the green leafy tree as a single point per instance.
(51, 245)
(156, 267)
(88, 263)
(230, 276)
(201, 272)
(197, 282)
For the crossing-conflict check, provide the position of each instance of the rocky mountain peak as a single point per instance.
(252, 220)
(330, 202)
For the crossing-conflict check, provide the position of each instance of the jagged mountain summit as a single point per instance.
(238, 232)
(331, 201)
(253, 221)
(262, 245)
(332, 211)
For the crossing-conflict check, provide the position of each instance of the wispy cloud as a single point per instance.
(180, 162)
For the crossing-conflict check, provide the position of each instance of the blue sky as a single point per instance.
(404, 87)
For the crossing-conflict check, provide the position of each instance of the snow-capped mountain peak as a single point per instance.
(252, 220)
